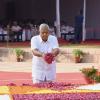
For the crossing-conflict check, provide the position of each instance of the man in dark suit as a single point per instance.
(78, 27)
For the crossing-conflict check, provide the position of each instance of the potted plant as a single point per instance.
(90, 74)
(19, 54)
(97, 77)
(78, 55)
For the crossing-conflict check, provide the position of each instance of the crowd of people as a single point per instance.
(14, 31)
(24, 31)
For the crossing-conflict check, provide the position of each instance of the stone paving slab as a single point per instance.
(61, 67)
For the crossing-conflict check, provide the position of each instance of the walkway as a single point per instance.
(20, 72)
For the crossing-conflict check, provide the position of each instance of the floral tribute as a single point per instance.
(49, 58)
(51, 91)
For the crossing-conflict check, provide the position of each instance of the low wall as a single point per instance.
(92, 55)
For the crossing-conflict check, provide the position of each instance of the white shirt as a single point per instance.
(41, 69)
(16, 28)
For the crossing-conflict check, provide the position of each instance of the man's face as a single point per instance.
(15, 23)
(44, 34)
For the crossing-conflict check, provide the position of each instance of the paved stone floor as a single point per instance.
(61, 67)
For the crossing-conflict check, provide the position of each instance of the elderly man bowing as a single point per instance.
(44, 48)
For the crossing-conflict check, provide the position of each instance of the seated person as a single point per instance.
(16, 30)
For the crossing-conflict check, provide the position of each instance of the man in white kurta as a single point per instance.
(40, 45)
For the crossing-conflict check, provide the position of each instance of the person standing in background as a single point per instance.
(78, 27)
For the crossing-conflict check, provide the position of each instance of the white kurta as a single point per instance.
(41, 69)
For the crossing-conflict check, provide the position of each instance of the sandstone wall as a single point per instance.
(91, 55)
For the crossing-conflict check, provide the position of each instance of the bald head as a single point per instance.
(44, 31)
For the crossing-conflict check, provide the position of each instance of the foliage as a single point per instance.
(78, 53)
(91, 73)
(19, 52)
(97, 78)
